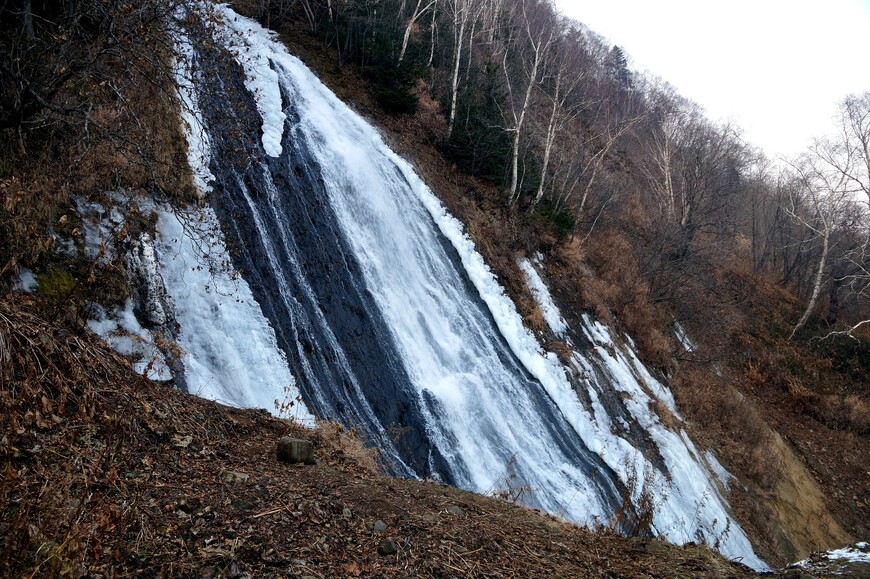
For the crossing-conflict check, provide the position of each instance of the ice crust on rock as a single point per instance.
(539, 290)
(198, 143)
(691, 506)
(123, 332)
(254, 49)
(230, 351)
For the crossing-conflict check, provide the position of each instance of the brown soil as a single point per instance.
(835, 459)
(107, 474)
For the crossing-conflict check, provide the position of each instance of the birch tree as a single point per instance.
(523, 55)
(847, 156)
(567, 72)
(660, 143)
(827, 191)
(854, 130)
(462, 12)
(419, 10)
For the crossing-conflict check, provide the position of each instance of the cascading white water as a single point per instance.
(495, 406)
(482, 411)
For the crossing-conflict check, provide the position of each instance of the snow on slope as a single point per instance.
(551, 314)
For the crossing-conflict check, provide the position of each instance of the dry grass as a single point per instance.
(347, 445)
(665, 415)
(108, 474)
(848, 412)
(731, 422)
(618, 288)
(133, 140)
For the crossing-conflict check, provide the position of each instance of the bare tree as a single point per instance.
(462, 12)
(826, 191)
(855, 132)
(523, 54)
(661, 142)
(419, 11)
(836, 175)
(566, 74)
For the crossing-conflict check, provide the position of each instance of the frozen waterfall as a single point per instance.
(387, 317)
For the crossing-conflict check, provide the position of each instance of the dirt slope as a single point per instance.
(107, 474)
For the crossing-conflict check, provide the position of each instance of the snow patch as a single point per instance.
(539, 290)
(25, 281)
(720, 471)
(683, 338)
(122, 331)
(851, 561)
(254, 49)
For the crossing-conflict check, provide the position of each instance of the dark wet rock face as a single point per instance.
(284, 238)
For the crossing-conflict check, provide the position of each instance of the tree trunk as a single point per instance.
(417, 14)
(432, 38)
(834, 301)
(25, 16)
(817, 284)
(515, 154)
(457, 54)
(548, 144)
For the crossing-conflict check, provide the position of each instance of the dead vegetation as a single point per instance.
(108, 474)
(89, 107)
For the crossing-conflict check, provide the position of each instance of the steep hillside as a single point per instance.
(738, 320)
(140, 475)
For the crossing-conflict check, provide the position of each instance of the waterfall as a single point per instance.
(386, 317)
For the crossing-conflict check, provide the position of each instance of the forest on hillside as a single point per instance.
(539, 105)
(545, 108)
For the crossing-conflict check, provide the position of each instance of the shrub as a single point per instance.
(561, 220)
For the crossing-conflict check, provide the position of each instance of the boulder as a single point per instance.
(388, 547)
(231, 477)
(455, 510)
(295, 450)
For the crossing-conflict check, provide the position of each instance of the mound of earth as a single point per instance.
(108, 474)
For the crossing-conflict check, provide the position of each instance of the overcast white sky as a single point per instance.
(777, 68)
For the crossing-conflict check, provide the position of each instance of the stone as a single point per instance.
(454, 510)
(231, 477)
(243, 505)
(379, 526)
(234, 571)
(186, 504)
(295, 450)
(388, 547)
(429, 518)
